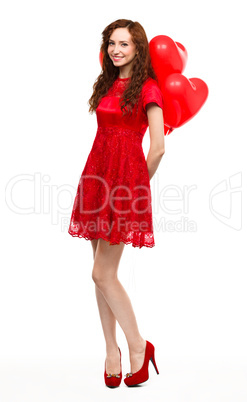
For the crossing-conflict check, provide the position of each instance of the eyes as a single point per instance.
(111, 43)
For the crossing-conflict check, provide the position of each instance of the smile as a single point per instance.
(117, 58)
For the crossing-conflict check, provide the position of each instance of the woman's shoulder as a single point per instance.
(150, 83)
(151, 92)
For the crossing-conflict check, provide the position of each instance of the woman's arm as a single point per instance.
(157, 137)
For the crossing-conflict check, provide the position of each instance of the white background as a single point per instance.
(189, 291)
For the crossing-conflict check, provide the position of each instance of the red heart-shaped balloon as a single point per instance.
(167, 57)
(101, 58)
(183, 98)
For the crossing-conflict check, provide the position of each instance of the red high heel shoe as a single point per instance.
(142, 375)
(113, 380)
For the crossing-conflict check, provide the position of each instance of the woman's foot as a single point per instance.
(142, 375)
(137, 356)
(112, 362)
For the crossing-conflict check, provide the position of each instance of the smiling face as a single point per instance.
(121, 49)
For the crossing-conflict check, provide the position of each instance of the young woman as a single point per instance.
(112, 206)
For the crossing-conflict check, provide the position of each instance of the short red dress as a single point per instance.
(113, 199)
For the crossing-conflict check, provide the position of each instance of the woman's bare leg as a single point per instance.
(106, 262)
(108, 322)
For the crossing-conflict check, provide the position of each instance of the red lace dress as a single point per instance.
(113, 199)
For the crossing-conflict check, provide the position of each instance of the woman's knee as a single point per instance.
(102, 277)
(106, 263)
(96, 276)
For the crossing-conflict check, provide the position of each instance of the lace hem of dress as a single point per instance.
(146, 239)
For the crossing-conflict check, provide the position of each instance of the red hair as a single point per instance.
(142, 67)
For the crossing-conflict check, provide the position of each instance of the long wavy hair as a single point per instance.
(141, 70)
